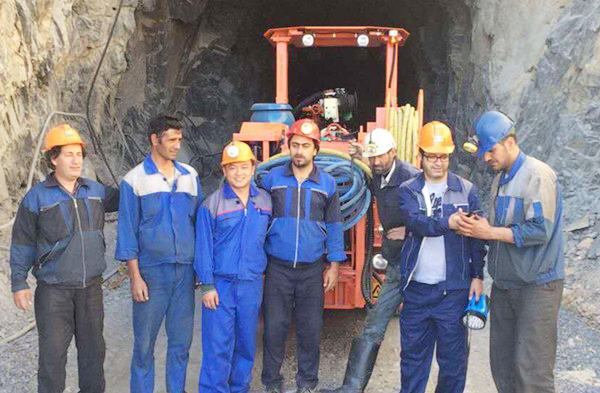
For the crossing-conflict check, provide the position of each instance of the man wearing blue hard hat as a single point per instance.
(525, 235)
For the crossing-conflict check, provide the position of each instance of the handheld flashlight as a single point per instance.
(476, 313)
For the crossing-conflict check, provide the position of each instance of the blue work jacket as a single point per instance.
(464, 255)
(59, 235)
(157, 222)
(307, 221)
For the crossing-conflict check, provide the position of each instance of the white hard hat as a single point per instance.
(378, 142)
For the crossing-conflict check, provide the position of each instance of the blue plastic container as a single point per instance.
(272, 113)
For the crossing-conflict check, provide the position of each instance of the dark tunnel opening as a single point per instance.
(225, 64)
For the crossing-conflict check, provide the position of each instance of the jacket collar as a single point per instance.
(504, 177)
(419, 182)
(313, 176)
(230, 194)
(151, 168)
(51, 181)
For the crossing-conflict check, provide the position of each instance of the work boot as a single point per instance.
(306, 389)
(274, 389)
(361, 361)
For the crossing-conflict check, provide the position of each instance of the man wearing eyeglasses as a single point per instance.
(441, 269)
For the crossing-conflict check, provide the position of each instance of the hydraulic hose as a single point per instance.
(351, 180)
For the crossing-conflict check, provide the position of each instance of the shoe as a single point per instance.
(361, 361)
(273, 389)
(306, 389)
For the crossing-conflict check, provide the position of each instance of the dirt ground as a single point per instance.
(577, 367)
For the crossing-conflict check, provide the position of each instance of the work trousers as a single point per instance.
(390, 298)
(523, 335)
(229, 337)
(299, 292)
(60, 314)
(431, 318)
(171, 292)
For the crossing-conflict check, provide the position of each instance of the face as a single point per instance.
(169, 143)
(302, 151)
(498, 157)
(435, 166)
(69, 163)
(239, 174)
(382, 164)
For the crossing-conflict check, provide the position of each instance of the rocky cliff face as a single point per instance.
(539, 61)
(48, 53)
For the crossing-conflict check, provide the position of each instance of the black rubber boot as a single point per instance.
(361, 361)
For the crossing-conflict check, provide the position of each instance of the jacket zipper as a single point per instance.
(298, 222)
(42, 263)
(81, 236)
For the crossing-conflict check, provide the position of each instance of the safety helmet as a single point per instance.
(237, 151)
(62, 135)
(490, 128)
(436, 137)
(378, 142)
(307, 128)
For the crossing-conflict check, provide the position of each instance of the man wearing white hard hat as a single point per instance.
(389, 172)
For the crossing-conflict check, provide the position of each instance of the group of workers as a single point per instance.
(277, 244)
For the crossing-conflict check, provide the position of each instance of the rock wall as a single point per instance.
(48, 53)
(537, 60)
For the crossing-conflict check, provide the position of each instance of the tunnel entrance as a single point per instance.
(217, 67)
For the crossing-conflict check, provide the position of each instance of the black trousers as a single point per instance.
(299, 292)
(60, 313)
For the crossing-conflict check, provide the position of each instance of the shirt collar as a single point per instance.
(506, 177)
(386, 180)
(453, 182)
(151, 168)
(230, 194)
(314, 174)
(51, 181)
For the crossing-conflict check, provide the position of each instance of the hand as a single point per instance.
(331, 277)
(455, 218)
(211, 299)
(396, 233)
(22, 299)
(476, 288)
(139, 290)
(400, 307)
(478, 227)
(355, 149)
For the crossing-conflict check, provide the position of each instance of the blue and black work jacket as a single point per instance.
(157, 222)
(307, 221)
(230, 237)
(388, 205)
(464, 255)
(59, 234)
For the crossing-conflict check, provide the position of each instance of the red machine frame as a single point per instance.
(347, 294)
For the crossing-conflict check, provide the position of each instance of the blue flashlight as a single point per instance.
(476, 313)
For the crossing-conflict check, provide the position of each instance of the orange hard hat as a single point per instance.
(306, 128)
(436, 137)
(62, 135)
(237, 151)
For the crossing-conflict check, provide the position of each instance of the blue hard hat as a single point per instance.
(491, 127)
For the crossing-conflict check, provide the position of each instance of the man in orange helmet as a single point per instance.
(307, 227)
(440, 269)
(58, 235)
(230, 261)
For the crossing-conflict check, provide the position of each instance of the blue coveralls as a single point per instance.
(230, 259)
(156, 227)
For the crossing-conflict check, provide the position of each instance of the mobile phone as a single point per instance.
(474, 213)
